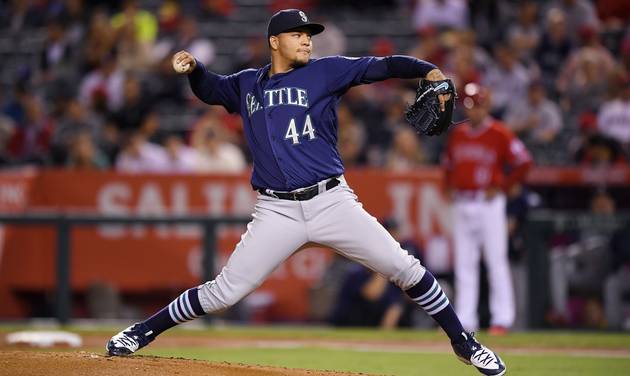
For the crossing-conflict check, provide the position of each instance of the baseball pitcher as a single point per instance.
(289, 118)
(478, 153)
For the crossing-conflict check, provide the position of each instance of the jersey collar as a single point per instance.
(263, 73)
(485, 125)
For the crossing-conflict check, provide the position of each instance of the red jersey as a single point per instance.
(489, 156)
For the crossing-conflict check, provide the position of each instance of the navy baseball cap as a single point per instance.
(289, 19)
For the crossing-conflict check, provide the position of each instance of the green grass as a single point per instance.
(402, 364)
(531, 339)
(523, 352)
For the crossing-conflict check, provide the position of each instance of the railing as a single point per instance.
(541, 224)
(64, 222)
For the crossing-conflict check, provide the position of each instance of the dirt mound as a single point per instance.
(33, 363)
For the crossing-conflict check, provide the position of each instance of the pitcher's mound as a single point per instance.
(33, 363)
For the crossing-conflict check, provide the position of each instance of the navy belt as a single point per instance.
(301, 195)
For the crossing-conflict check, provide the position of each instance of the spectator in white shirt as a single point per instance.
(447, 14)
(507, 79)
(139, 156)
(216, 154)
(181, 158)
(104, 86)
(536, 119)
(614, 117)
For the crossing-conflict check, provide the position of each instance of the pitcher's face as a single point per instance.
(295, 46)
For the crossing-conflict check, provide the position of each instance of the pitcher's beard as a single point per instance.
(298, 64)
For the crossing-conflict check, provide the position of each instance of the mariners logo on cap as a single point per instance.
(290, 19)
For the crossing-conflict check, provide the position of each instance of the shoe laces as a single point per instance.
(127, 341)
(131, 338)
(483, 356)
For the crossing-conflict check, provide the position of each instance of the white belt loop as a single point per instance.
(342, 179)
(271, 193)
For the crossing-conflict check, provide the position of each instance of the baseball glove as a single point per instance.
(424, 114)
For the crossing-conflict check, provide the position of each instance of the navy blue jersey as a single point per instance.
(290, 119)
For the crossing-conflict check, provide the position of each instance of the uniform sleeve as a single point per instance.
(344, 72)
(216, 89)
(517, 153)
(519, 161)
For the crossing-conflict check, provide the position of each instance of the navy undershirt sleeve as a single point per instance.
(396, 66)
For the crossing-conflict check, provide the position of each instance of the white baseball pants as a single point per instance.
(334, 219)
(480, 225)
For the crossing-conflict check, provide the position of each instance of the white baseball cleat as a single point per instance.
(129, 340)
(485, 360)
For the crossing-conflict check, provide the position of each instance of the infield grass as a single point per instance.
(529, 353)
(555, 339)
(404, 364)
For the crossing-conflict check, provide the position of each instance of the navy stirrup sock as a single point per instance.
(184, 308)
(429, 295)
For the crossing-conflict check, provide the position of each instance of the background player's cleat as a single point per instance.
(130, 340)
(497, 330)
(485, 360)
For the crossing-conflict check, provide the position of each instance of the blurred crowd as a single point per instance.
(101, 93)
(89, 85)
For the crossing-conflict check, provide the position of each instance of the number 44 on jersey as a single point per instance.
(307, 130)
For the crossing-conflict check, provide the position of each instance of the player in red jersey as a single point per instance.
(484, 163)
